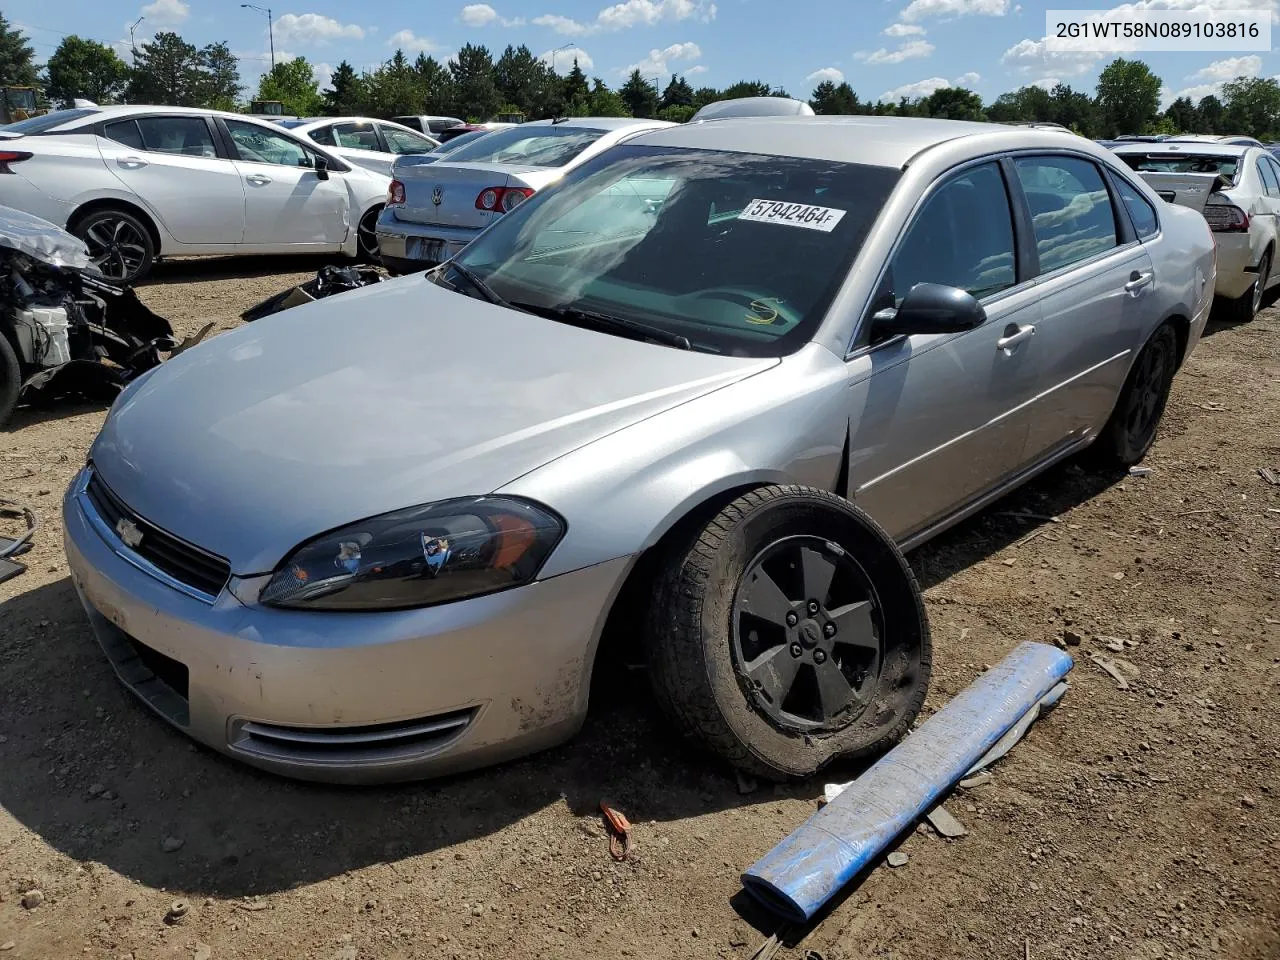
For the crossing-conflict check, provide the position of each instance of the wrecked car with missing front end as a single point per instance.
(65, 333)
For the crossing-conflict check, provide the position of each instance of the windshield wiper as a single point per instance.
(606, 321)
(482, 288)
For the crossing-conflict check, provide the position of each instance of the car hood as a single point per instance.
(398, 394)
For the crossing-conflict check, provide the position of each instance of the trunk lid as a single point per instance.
(1185, 189)
(444, 193)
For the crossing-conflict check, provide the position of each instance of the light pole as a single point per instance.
(132, 44)
(270, 32)
(557, 50)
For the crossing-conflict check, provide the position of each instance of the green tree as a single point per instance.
(1025, 103)
(521, 79)
(677, 94)
(17, 65)
(953, 103)
(1211, 114)
(832, 98)
(677, 113)
(346, 94)
(435, 85)
(1182, 116)
(476, 95)
(219, 81)
(1252, 107)
(746, 88)
(87, 69)
(576, 92)
(1074, 109)
(605, 102)
(1128, 96)
(166, 71)
(704, 95)
(293, 83)
(639, 96)
(393, 88)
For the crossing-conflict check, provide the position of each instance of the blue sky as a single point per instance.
(884, 48)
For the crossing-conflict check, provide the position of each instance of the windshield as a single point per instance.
(1182, 163)
(739, 253)
(46, 122)
(540, 146)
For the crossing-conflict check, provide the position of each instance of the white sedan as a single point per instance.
(1237, 188)
(140, 183)
(370, 143)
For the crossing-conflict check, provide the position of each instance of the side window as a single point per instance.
(324, 136)
(402, 141)
(961, 237)
(261, 145)
(358, 136)
(126, 132)
(1140, 210)
(185, 136)
(1070, 210)
(1269, 178)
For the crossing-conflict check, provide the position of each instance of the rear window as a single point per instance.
(1182, 163)
(47, 122)
(740, 253)
(536, 146)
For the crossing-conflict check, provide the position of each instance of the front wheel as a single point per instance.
(788, 632)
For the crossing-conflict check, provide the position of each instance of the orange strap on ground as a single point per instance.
(619, 831)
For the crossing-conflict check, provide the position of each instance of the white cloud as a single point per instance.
(1046, 83)
(920, 9)
(481, 15)
(561, 61)
(911, 50)
(166, 12)
(903, 30)
(323, 73)
(630, 13)
(912, 91)
(410, 42)
(1031, 58)
(968, 80)
(665, 60)
(314, 28)
(695, 70)
(826, 74)
(1229, 69)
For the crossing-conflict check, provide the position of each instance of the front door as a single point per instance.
(171, 164)
(936, 420)
(286, 201)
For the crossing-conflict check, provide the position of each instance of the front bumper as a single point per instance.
(348, 697)
(402, 245)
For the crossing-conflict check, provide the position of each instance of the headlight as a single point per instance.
(419, 556)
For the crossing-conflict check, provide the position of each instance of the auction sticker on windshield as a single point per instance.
(792, 214)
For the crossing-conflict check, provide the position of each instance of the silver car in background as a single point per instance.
(434, 210)
(1237, 189)
(373, 144)
(666, 394)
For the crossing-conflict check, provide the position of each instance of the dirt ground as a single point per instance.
(1131, 823)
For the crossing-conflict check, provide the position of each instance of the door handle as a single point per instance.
(1137, 280)
(131, 163)
(260, 179)
(1014, 335)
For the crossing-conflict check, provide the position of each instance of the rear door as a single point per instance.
(1096, 287)
(358, 142)
(286, 202)
(937, 420)
(172, 163)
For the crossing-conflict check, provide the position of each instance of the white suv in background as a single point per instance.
(138, 183)
(1237, 188)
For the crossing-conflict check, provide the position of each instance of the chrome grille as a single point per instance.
(198, 569)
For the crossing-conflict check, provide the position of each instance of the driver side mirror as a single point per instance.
(322, 168)
(929, 308)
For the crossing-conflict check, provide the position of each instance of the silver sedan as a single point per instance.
(380, 536)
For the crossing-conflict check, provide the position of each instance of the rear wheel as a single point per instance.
(367, 236)
(1245, 307)
(10, 379)
(119, 243)
(789, 632)
(1131, 430)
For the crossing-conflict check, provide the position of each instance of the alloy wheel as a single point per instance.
(367, 235)
(1146, 397)
(806, 635)
(116, 247)
(1260, 285)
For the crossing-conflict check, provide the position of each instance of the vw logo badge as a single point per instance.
(437, 195)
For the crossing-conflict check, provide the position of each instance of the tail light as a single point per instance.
(502, 199)
(395, 192)
(12, 156)
(1226, 218)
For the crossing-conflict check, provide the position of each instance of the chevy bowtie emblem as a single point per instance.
(437, 195)
(129, 532)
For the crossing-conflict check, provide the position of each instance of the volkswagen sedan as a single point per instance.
(664, 394)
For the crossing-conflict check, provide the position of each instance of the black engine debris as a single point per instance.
(330, 280)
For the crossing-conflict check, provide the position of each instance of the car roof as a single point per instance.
(1199, 148)
(128, 110)
(597, 123)
(876, 141)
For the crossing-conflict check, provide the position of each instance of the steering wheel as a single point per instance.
(759, 310)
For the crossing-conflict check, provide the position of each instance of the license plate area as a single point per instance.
(423, 248)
